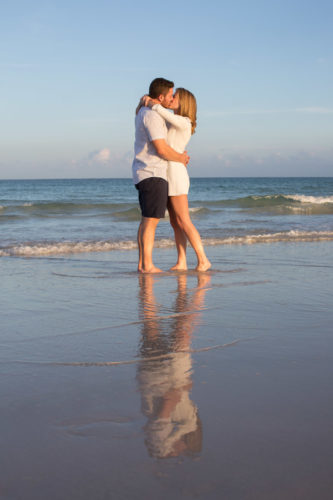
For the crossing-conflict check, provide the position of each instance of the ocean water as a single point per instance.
(114, 384)
(51, 217)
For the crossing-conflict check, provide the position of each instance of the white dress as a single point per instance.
(156, 379)
(179, 134)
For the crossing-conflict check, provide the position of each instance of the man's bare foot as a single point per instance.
(151, 270)
(204, 266)
(179, 267)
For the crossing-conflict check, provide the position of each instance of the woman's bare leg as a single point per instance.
(180, 239)
(179, 207)
(139, 238)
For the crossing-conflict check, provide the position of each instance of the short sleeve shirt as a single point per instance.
(149, 126)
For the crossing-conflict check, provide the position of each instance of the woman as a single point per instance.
(182, 125)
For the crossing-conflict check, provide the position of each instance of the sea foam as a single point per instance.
(319, 200)
(44, 249)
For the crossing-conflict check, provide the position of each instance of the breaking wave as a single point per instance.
(319, 200)
(278, 203)
(39, 249)
(281, 203)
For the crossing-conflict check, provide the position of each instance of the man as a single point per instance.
(149, 169)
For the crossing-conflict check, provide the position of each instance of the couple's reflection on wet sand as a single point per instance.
(165, 371)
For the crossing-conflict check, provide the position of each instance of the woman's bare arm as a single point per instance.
(180, 122)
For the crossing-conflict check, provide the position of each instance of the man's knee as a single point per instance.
(149, 221)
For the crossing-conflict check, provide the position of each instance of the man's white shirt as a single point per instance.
(149, 126)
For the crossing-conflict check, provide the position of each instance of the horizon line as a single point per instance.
(193, 177)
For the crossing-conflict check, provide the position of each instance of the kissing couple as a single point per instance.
(160, 171)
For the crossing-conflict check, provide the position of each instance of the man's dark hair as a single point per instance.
(159, 86)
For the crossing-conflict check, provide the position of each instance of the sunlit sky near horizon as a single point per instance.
(71, 74)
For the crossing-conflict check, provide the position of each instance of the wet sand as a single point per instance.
(183, 385)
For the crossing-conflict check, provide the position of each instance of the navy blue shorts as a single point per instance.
(153, 197)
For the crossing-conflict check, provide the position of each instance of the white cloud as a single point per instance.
(103, 163)
(102, 156)
(12, 65)
(315, 109)
(237, 161)
(306, 109)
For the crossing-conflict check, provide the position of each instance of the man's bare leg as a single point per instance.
(147, 238)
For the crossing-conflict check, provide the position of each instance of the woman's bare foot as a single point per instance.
(203, 266)
(179, 267)
(204, 280)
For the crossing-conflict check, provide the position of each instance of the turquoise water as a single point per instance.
(43, 217)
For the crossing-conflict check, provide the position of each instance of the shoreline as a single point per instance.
(40, 249)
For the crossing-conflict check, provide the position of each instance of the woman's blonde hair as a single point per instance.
(187, 106)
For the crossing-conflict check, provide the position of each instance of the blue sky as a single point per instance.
(71, 73)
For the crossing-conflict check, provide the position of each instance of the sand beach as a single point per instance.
(188, 385)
